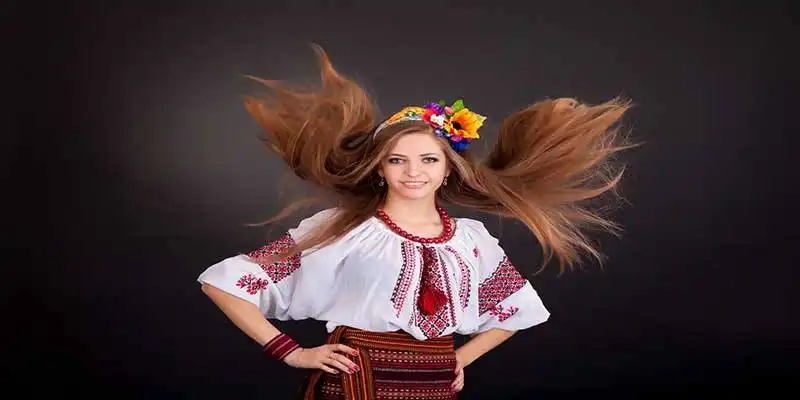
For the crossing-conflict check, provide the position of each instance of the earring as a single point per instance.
(444, 182)
(381, 182)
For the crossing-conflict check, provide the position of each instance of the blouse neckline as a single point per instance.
(383, 226)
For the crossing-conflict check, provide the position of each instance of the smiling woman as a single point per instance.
(391, 329)
(415, 168)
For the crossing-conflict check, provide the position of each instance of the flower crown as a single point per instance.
(456, 123)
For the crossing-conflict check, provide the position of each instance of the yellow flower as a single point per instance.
(466, 123)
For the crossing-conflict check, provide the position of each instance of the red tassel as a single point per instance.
(431, 300)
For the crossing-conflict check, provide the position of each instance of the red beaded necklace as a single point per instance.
(447, 232)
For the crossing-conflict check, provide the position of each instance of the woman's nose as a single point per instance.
(412, 169)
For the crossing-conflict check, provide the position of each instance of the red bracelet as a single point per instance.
(280, 346)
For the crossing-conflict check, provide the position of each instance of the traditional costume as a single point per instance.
(396, 298)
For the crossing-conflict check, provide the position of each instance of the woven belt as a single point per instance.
(360, 385)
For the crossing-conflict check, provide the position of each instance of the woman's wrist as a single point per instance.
(462, 358)
(280, 346)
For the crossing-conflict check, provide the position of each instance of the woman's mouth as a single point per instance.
(413, 184)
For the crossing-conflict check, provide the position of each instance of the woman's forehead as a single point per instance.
(417, 143)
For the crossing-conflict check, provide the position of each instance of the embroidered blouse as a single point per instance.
(370, 279)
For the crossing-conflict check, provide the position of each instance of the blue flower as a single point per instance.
(459, 146)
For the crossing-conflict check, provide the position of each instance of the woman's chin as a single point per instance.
(412, 194)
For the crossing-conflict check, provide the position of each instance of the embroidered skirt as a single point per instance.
(392, 365)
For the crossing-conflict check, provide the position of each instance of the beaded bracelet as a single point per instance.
(280, 346)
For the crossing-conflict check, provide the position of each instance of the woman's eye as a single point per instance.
(427, 160)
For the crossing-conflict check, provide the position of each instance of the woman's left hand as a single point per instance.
(458, 383)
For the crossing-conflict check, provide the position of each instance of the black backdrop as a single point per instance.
(136, 167)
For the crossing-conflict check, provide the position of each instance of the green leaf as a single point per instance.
(458, 105)
(441, 103)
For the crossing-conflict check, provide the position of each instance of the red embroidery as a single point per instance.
(504, 282)
(501, 314)
(476, 252)
(463, 289)
(252, 284)
(433, 325)
(278, 271)
(443, 271)
(404, 280)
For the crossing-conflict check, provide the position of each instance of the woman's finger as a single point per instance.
(458, 369)
(344, 360)
(458, 383)
(328, 369)
(337, 364)
(345, 349)
(454, 384)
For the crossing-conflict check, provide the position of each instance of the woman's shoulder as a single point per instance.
(471, 225)
(312, 222)
(469, 222)
(320, 220)
(474, 231)
(318, 217)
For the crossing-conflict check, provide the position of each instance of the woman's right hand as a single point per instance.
(328, 357)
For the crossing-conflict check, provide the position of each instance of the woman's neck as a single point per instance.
(411, 211)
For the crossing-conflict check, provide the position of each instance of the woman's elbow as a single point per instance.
(208, 289)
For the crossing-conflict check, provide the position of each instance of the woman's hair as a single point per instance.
(549, 162)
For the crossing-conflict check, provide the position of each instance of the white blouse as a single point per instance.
(369, 279)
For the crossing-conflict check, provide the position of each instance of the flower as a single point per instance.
(466, 123)
(435, 108)
(460, 145)
(455, 122)
(438, 119)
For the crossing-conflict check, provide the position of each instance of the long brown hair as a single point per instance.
(550, 160)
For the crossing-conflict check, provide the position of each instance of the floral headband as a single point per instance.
(455, 123)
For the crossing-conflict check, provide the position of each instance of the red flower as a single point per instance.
(428, 114)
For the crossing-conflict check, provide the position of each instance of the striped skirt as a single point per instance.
(392, 365)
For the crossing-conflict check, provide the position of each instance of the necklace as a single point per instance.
(447, 232)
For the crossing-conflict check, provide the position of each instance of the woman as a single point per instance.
(392, 274)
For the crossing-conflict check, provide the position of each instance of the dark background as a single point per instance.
(135, 167)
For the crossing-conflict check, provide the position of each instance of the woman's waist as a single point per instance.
(396, 340)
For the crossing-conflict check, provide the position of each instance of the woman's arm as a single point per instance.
(243, 314)
(247, 317)
(480, 344)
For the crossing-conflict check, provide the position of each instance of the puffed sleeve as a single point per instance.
(506, 299)
(280, 290)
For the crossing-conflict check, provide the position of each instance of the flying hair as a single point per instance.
(553, 165)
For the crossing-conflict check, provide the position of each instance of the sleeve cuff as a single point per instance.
(519, 311)
(236, 278)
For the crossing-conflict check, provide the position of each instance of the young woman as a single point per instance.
(389, 271)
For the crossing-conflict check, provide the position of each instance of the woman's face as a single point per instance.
(415, 167)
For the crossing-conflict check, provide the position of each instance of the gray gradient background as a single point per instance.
(136, 167)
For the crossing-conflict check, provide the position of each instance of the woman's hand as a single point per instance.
(328, 357)
(458, 383)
